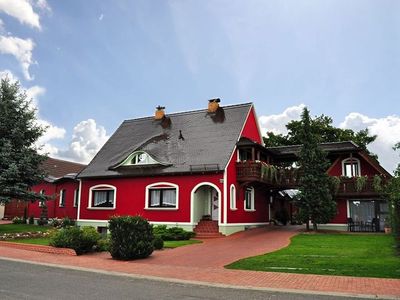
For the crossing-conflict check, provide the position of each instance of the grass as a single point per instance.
(175, 244)
(46, 241)
(16, 228)
(361, 255)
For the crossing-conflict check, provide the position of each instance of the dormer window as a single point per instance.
(351, 167)
(139, 158)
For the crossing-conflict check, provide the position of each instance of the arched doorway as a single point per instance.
(205, 202)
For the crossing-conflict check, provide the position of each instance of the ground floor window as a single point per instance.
(62, 198)
(249, 199)
(369, 211)
(102, 197)
(162, 198)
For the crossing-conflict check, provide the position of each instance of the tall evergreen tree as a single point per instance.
(315, 200)
(19, 131)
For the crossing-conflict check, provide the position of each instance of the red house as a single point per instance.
(60, 184)
(208, 170)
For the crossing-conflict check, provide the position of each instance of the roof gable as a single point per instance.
(193, 138)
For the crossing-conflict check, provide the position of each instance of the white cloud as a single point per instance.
(87, 139)
(277, 123)
(43, 5)
(21, 49)
(101, 17)
(34, 93)
(22, 10)
(388, 131)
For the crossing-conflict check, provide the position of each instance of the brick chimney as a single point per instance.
(213, 105)
(159, 114)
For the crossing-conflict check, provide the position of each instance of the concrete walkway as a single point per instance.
(204, 263)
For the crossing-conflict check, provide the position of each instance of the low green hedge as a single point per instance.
(172, 233)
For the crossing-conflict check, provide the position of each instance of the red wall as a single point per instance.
(130, 197)
(261, 213)
(53, 209)
(341, 208)
(366, 168)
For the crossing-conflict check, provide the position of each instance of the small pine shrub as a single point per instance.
(55, 222)
(82, 240)
(31, 220)
(42, 222)
(158, 243)
(18, 220)
(103, 245)
(66, 222)
(130, 238)
(173, 233)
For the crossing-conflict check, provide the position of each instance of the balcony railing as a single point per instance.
(274, 177)
(357, 187)
(289, 178)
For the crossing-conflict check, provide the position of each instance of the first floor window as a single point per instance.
(62, 198)
(103, 198)
(162, 198)
(42, 202)
(76, 197)
(351, 167)
(233, 197)
(249, 198)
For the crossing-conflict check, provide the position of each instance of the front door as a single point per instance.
(214, 205)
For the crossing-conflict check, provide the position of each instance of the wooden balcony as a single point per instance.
(272, 176)
(348, 187)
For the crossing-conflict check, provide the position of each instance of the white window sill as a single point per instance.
(161, 208)
(234, 209)
(249, 210)
(101, 208)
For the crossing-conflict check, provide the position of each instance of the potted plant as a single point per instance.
(387, 227)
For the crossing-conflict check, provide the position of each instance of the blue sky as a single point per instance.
(91, 64)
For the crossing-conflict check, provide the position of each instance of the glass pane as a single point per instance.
(169, 197)
(155, 197)
(362, 211)
(100, 198)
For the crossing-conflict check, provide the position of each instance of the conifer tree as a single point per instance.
(19, 131)
(315, 200)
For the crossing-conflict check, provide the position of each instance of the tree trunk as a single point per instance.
(315, 226)
(308, 225)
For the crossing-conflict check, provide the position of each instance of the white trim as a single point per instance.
(252, 202)
(62, 194)
(348, 208)
(151, 222)
(232, 197)
(167, 185)
(334, 224)
(351, 159)
(192, 200)
(258, 125)
(102, 186)
(79, 200)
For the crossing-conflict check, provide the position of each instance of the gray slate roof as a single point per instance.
(347, 146)
(205, 142)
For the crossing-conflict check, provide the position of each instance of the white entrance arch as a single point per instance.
(192, 199)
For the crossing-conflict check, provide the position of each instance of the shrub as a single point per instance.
(158, 243)
(18, 220)
(42, 222)
(131, 237)
(173, 233)
(55, 222)
(31, 220)
(82, 240)
(103, 245)
(65, 222)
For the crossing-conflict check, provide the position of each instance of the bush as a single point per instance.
(103, 245)
(65, 222)
(42, 222)
(82, 240)
(55, 222)
(31, 220)
(131, 238)
(158, 243)
(173, 233)
(18, 220)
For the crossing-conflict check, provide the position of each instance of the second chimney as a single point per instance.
(159, 115)
(213, 105)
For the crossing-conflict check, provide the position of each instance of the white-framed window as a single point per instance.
(351, 167)
(42, 202)
(249, 199)
(76, 197)
(233, 197)
(162, 195)
(62, 198)
(102, 197)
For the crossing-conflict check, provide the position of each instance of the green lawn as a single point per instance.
(14, 228)
(175, 244)
(362, 255)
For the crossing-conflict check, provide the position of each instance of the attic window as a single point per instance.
(351, 167)
(140, 158)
